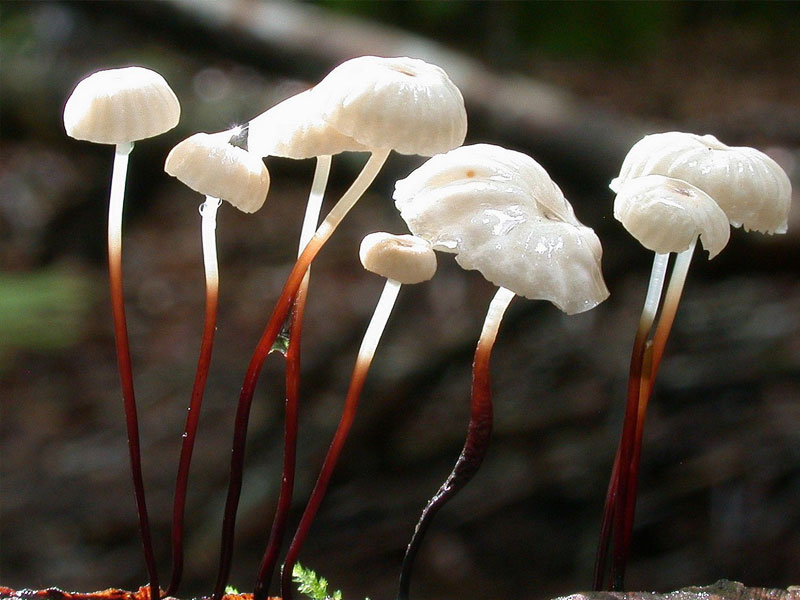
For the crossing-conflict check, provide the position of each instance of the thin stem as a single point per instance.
(208, 212)
(671, 300)
(365, 355)
(649, 311)
(478, 435)
(270, 559)
(605, 527)
(262, 350)
(653, 354)
(115, 205)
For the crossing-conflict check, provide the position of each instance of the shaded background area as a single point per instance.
(572, 84)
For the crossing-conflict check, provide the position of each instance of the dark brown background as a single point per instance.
(721, 465)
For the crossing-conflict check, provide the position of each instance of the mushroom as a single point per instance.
(666, 192)
(121, 106)
(501, 214)
(378, 103)
(402, 260)
(210, 165)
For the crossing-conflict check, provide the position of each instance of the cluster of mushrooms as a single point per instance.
(496, 209)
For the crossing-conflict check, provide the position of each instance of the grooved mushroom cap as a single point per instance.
(747, 184)
(403, 104)
(121, 105)
(210, 165)
(295, 129)
(666, 214)
(501, 214)
(404, 258)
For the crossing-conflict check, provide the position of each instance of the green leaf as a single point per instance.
(313, 586)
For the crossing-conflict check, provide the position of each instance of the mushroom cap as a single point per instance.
(295, 129)
(403, 104)
(666, 214)
(121, 105)
(208, 164)
(501, 214)
(752, 189)
(403, 258)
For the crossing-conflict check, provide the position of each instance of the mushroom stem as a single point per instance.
(652, 361)
(363, 361)
(478, 434)
(613, 510)
(208, 212)
(313, 209)
(273, 328)
(115, 205)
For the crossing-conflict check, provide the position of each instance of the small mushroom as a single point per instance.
(359, 100)
(501, 214)
(121, 106)
(747, 184)
(211, 166)
(402, 260)
(666, 189)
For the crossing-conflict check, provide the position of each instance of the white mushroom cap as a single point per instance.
(295, 129)
(404, 258)
(210, 165)
(509, 222)
(121, 105)
(404, 104)
(667, 214)
(747, 184)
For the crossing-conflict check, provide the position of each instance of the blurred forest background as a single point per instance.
(574, 85)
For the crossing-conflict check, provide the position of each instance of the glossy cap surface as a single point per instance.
(501, 214)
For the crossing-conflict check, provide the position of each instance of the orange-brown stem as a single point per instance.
(273, 328)
(318, 493)
(625, 453)
(263, 348)
(278, 530)
(189, 436)
(124, 356)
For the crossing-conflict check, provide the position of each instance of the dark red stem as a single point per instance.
(129, 401)
(605, 528)
(627, 442)
(189, 435)
(260, 354)
(318, 493)
(478, 435)
(646, 390)
(278, 531)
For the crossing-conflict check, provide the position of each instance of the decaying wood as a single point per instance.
(721, 590)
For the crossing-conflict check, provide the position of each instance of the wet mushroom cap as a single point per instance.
(403, 104)
(208, 164)
(494, 224)
(406, 259)
(666, 214)
(121, 105)
(295, 129)
(752, 189)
